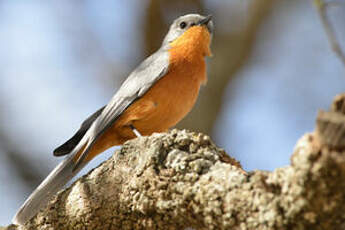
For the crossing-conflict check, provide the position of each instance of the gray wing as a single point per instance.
(139, 81)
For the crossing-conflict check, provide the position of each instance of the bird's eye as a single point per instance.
(183, 25)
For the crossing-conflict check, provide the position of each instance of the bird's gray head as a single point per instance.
(183, 23)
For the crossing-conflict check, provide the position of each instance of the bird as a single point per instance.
(155, 97)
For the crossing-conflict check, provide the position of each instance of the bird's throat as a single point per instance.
(194, 42)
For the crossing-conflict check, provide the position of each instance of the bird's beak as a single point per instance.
(207, 21)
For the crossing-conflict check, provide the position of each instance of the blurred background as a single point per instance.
(272, 70)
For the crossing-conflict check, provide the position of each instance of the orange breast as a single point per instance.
(170, 98)
(173, 97)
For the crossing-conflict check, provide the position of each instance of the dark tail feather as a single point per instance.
(69, 145)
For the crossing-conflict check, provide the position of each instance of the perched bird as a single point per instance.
(154, 97)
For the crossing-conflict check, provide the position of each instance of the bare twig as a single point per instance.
(321, 7)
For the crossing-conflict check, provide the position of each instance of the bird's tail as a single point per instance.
(54, 181)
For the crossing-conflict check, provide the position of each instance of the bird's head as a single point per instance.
(191, 30)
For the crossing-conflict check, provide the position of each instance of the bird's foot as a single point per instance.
(135, 131)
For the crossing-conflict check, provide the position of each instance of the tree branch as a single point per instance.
(321, 7)
(181, 179)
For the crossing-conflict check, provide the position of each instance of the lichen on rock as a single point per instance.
(181, 179)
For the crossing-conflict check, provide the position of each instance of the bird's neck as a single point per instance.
(194, 44)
